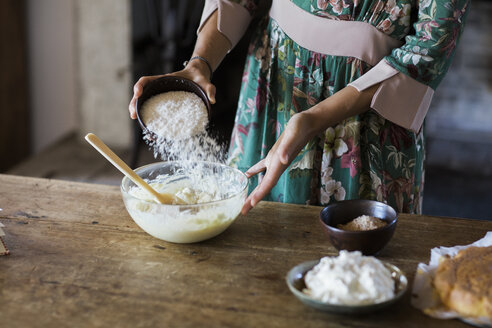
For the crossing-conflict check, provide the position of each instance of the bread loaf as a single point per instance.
(464, 282)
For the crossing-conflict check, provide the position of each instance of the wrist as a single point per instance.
(201, 65)
(315, 122)
(338, 107)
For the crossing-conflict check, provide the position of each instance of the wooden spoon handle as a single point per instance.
(125, 169)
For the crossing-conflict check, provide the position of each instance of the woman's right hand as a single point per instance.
(196, 70)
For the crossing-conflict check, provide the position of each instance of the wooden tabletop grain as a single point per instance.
(78, 260)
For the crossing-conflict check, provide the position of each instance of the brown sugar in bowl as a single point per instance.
(369, 242)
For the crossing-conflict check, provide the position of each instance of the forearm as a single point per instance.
(343, 104)
(211, 45)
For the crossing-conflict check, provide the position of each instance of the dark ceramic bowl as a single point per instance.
(369, 242)
(166, 84)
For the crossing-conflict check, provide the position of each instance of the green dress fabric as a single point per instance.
(365, 156)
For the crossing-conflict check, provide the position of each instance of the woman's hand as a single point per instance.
(300, 129)
(210, 44)
(196, 70)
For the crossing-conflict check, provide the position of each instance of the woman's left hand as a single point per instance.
(300, 129)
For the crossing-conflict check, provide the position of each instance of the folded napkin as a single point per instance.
(3, 247)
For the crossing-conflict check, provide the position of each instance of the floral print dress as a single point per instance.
(365, 156)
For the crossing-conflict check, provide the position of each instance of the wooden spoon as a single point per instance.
(163, 198)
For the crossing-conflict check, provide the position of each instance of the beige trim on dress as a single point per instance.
(233, 19)
(332, 37)
(399, 98)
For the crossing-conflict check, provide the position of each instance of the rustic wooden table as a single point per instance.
(77, 259)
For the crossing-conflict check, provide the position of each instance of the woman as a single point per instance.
(334, 94)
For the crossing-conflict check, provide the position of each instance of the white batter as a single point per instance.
(186, 193)
(198, 220)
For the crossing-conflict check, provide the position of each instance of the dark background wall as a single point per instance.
(14, 115)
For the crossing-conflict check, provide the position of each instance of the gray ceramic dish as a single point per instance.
(295, 281)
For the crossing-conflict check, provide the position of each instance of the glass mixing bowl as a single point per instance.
(187, 223)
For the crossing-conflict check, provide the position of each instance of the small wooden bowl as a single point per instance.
(368, 242)
(166, 84)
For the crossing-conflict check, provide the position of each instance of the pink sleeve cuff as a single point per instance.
(233, 19)
(399, 99)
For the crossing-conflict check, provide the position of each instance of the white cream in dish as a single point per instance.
(350, 279)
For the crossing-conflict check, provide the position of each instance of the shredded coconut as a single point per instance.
(179, 120)
(363, 223)
(175, 115)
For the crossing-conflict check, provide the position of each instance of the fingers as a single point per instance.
(255, 169)
(247, 203)
(210, 90)
(138, 87)
(197, 76)
(205, 84)
(137, 92)
(133, 108)
(270, 179)
(277, 162)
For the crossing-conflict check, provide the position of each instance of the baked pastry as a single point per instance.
(464, 282)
